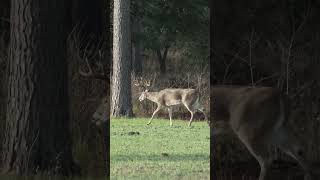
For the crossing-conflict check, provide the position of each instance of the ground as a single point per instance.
(158, 151)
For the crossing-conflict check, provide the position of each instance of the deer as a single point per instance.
(101, 115)
(170, 97)
(258, 116)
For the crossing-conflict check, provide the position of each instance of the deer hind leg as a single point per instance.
(190, 109)
(260, 151)
(199, 107)
(291, 145)
(170, 115)
(202, 110)
(154, 113)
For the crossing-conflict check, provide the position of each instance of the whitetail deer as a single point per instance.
(258, 116)
(101, 115)
(167, 98)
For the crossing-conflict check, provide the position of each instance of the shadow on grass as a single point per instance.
(161, 157)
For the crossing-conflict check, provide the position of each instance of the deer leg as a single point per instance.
(170, 115)
(191, 112)
(191, 118)
(263, 158)
(260, 151)
(201, 109)
(288, 143)
(154, 113)
(264, 166)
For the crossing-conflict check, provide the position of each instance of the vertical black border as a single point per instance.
(211, 5)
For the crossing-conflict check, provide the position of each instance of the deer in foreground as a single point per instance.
(101, 115)
(258, 116)
(167, 98)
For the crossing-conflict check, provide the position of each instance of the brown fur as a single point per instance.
(258, 116)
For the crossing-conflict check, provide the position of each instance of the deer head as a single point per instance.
(143, 95)
(101, 113)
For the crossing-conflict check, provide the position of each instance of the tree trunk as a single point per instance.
(162, 58)
(107, 65)
(121, 78)
(37, 135)
(4, 17)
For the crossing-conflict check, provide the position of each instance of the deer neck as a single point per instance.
(152, 96)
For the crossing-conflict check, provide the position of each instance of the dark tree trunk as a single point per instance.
(107, 65)
(4, 16)
(37, 122)
(162, 58)
(4, 41)
(121, 77)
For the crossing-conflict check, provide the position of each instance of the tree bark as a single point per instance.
(37, 134)
(107, 65)
(121, 78)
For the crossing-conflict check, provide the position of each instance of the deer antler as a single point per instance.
(91, 74)
(142, 83)
(147, 83)
(137, 82)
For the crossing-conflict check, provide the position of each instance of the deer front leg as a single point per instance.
(154, 113)
(170, 115)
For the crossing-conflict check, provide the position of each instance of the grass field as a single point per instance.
(158, 151)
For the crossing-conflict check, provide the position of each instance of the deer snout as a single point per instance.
(99, 117)
(141, 98)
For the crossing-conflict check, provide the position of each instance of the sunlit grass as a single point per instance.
(158, 151)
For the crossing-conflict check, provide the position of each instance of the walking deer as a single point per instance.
(170, 97)
(258, 116)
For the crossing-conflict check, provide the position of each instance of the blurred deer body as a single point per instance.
(258, 116)
(167, 98)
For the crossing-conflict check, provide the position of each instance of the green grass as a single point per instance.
(159, 151)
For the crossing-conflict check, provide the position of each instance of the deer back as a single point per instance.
(256, 109)
(173, 96)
